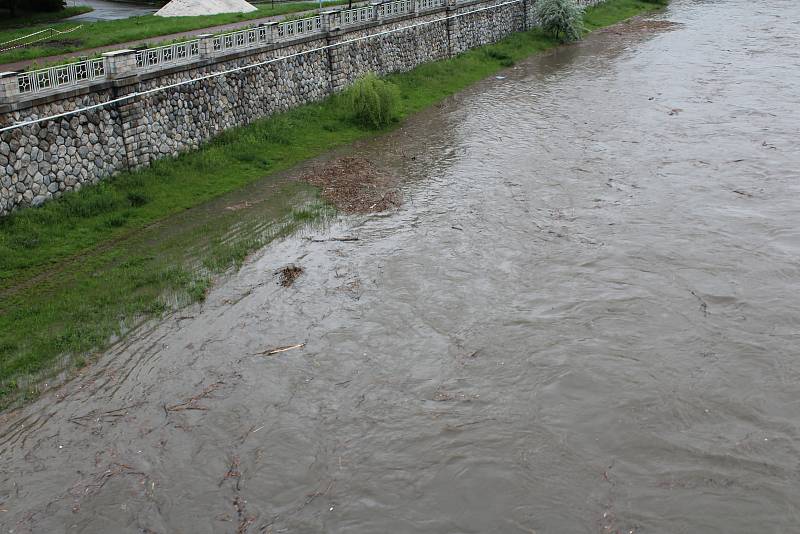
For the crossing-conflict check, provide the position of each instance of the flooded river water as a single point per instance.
(584, 318)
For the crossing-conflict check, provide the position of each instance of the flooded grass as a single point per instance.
(610, 13)
(90, 266)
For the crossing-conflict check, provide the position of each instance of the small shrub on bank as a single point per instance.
(372, 102)
(658, 2)
(563, 19)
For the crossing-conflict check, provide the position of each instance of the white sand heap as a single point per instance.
(193, 8)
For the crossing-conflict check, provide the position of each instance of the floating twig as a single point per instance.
(343, 238)
(233, 472)
(118, 412)
(193, 402)
(276, 350)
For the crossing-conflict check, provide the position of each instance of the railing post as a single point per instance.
(9, 86)
(120, 64)
(329, 20)
(376, 12)
(272, 32)
(206, 45)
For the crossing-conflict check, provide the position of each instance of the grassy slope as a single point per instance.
(110, 32)
(75, 271)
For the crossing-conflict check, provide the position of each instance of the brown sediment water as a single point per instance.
(584, 317)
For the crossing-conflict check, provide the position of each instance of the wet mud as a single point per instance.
(583, 317)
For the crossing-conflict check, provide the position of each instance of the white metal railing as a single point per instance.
(61, 76)
(85, 71)
(93, 69)
(240, 39)
(171, 54)
(393, 9)
(299, 27)
(348, 17)
(424, 5)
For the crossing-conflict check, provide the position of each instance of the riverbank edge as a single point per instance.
(97, 222)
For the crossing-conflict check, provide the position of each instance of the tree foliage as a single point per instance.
(563, 19)
(372, 102)
(14, 6)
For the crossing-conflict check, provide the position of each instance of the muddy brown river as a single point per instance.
(585, 318)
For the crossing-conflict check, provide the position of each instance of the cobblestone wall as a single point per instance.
(396, 51)
(46, 160)
(477, 28)
(166, 123)
(43, 161)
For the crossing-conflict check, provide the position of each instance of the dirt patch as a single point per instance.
(355, 185)
(288, 275)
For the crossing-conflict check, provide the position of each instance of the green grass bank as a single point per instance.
(81, 270)
(110, 32)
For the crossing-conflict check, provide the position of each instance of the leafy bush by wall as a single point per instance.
(372, 102)
(563, 19)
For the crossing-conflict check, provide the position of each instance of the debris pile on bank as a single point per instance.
(289, 274)
(355, 185)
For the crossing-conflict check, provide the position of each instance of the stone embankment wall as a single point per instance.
(45, 160)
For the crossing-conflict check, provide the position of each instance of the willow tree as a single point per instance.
(563, 19)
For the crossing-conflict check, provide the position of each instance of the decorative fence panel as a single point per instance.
(249, 38)
(172, 54)
(425, 5)
(349, 17)
(61, 76)
(293, 29)
(395, 9)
